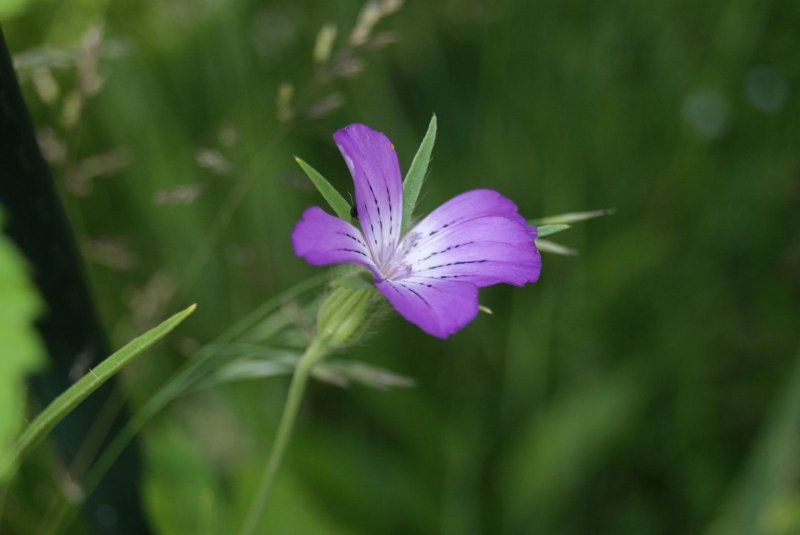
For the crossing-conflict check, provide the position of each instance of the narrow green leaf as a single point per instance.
(416, 173)
(345, 372)
(546, 230)
(485, 309)
(180, 382)
(269, 363)
(339, 205)
(572, 217)
(547, 246)
(70, 398)
(277, 363)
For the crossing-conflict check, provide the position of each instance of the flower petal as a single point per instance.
(438, 307)
(476, 237)
(323, 239)
(466, 206)
(483, 251)
(372, 161)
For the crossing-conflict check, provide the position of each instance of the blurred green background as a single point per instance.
(649, 385)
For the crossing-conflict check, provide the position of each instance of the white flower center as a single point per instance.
(396, 267)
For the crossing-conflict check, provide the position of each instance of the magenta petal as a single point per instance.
(439, 308)
(432, 276)
(466, 206)
(372, 161)
(477, 237)
(323, 239)
(506, 254)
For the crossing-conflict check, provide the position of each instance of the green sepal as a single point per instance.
(412, 184)
(335, 200)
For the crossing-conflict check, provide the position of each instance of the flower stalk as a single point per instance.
(315, 352)
(341, 320)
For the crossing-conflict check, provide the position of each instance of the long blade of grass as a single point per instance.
(179, 383)
(412, 184)
(339, 205)
(70, 398)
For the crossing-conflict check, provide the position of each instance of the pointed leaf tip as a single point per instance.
(547, 246)
(573, 217)
(547, 230)
(335, 200)
(416, 173)
(81, 389)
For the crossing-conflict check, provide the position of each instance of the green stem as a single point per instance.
(189, 373)
(307, 362)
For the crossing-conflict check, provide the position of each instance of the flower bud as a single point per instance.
(344, 315)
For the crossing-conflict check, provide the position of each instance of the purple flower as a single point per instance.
(431, 275)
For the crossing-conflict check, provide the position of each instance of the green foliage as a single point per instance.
(337, 372)
(530, 414)
(572, 217)
(328, 192)
(70, 398)
(345, 315)
(412, 184)
(12, 8)
(553, 224)
(22, 350)
(547, 230)
(547, 246)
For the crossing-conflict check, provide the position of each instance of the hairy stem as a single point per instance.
(257, 507)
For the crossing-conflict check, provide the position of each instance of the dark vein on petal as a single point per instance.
(440, 277)
(422, 284)
(377, 206)
(450, 248)
(352, 251)
(431, 233)
(389, 196)
(351, 237)
(371, 228)
(415, 293)
(459, 263)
